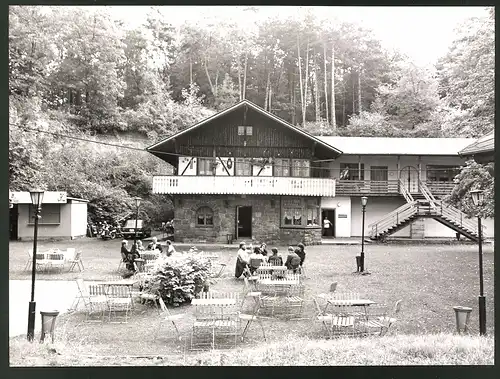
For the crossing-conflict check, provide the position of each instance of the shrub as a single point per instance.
(179, 278)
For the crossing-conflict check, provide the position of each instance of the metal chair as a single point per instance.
(165, 315)
(56, 260)
(93, 298)
(119, 300)
(77, 261)
(30, 259)
(253, 316)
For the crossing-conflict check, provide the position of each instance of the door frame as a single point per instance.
(237, 219)
(411, 180)
(333, 223)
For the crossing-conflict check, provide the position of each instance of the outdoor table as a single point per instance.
(278, 281)
(330, 301)
(272, 268)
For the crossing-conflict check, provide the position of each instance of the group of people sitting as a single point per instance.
(129, 256)
(248, 257)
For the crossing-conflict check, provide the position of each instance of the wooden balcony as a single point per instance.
(385, 188)
(243, 185)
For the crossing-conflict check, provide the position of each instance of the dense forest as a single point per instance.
(78, 71)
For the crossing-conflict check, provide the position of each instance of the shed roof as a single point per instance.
(485, 144)
(397, 146)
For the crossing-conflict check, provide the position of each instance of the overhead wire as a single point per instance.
(27, 128)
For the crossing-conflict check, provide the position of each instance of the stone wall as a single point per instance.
(265, 220)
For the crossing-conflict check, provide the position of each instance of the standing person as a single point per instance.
(154, 245)
(124, 251)
(327, 225)
(293, 260)
(242, 260)
(301, 252)
(170, 248)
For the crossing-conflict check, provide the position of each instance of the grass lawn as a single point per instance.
(430, 279)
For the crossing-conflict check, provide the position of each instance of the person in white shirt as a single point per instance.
(242, 260)
(327, 225)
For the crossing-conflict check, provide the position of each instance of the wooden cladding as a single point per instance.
(248, 151)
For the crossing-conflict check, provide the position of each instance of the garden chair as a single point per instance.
(93, 298)
(30, 259)
(167, 316)
(248, 293)
(254, 264)
(119, 301)
(253, 316)
(295, 299)
(388, 320)
(41, 262)
(77, 261)
(344, 321)
(324, 318)
(56, 260)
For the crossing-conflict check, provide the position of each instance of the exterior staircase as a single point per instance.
(428, 206)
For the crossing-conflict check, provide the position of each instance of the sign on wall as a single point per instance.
(49, 197)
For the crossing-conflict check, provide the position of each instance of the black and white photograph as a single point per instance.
(251, 185)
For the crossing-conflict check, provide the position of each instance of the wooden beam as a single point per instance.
(398, 166)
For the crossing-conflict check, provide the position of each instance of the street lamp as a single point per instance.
(36, 200)
(477, 199)
(364, 200)
(137, 203)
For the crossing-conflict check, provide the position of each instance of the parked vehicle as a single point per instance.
(143, 230)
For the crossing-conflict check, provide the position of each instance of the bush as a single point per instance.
(179, 278)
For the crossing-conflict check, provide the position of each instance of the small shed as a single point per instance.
(62, 217)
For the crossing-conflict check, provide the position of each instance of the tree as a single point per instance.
(474, 176)
(227, 95)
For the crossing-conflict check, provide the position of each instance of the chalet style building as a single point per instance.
(246, 174)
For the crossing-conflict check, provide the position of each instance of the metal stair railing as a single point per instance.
(459, 217)
(427, 193)
(401, 214)
(404, 191)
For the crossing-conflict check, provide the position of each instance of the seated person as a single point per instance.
(301, 253)
(256, 258)
(242, 260)
(293, 260)
(263, 250)
(275, 259)
(170, 248)
(124, 251)
(132, 255)
(154, 245)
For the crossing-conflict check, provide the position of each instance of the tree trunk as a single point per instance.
(360, 107)
(239, 79)
(270, 97)
(190, 71)
(332, 96)
(245, 75)
(216, 82)
(208, 76)
(266, 100)
(316, 98)
(326, 84)
(300, 83)
(305, 85)
(353, 93)
(293, 101)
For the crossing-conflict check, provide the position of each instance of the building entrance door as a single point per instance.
(409, 177)
(13, 216)
(330, 216)
(243, 222)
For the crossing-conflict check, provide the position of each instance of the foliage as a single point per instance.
(474, 176)
(178, 278)
(370, 124)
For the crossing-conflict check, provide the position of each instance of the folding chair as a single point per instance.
(343, 321)
(41, 262)
(167, 316)
(254, 264)
(248, 293)
(77, 261)
(389, 320)
(93, 298)
(324, 318)
(119, 300)
(30, 259)
(295, 299)
(253, 316)
(56, 260)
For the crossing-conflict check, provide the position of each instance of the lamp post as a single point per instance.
(477, 199)
(36, 200)
(137, 203)
(364, 200)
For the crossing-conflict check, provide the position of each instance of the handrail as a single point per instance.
(427, 193)
(400, 209)
(404, 212)
(404, 191)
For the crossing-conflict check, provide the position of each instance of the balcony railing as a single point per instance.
(243, 185)
(386, 187)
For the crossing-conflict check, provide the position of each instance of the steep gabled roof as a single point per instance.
(256, 108)
(398, 146)
(485, 144)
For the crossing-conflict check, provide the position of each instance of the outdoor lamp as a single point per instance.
(36, 200)
(137, 203)
(364, 200)
(477, 199)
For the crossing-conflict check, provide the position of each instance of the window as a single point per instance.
(205, 166)
(241, 130)
(51, 214)
(437, 173)
(245, 130)
(299, 212)
(292, 167)
(243, 167)
(205, 217)
(350, 171)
